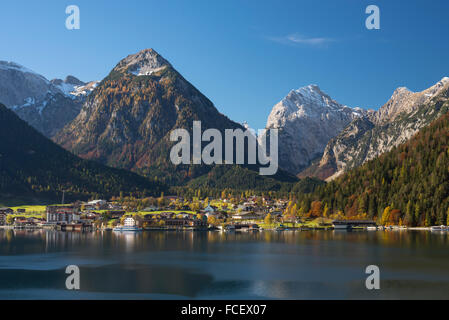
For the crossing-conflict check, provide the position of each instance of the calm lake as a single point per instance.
(214, 265)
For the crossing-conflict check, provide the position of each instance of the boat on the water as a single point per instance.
(438, 228)
(229, 228)
(129, 225)
(127, 229)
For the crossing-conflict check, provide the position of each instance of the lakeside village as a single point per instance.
(173, 213)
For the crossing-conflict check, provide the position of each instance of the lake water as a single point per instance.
(213, 265)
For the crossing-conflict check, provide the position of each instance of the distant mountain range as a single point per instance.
(31, 165)
(377, 132)
(408, 185)
(46, 105)
(318, 137)
(125, 121)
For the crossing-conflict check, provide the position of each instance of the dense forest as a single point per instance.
(408, 185)
(251, 184)
(32, 165)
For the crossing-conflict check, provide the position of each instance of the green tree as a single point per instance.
(409, 217)
(428, 221)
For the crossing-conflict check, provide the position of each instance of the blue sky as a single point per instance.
(244, 55)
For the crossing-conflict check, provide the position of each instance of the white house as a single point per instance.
(245, 207)
(98, 202)
(248, 216)
(210, 210)
(129, 222)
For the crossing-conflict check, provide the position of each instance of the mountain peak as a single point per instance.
(402, 89)
(437, 87)
(74, 80)
(11, 68)
(10, 65)
(308, 89)
(313, 87)
(310, 96)
(144, 62)
(107, 131)
(308, 119)
(401, 92)
(70, 82)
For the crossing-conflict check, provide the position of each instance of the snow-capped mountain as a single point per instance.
(20, 86)
(307, 119)
(46, 105)
(144, 63)
(75, 88)
(378, 132)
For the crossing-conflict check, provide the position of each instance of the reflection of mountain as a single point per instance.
(274, 265)
(144, 279)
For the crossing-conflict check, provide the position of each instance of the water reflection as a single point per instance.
(276, 265)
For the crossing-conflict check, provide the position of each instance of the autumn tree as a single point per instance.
(385, 216)
(268, 219)
(315, 210)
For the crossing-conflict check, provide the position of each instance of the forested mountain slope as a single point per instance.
(32, 165)
(408, 185)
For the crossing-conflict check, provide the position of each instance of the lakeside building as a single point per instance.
(6, 211)
(98, 202)
(210, 210)
(27, 222)
(348, 224)
(246, 207)
(2, 218)
(116, 214)
(96, 205)
(182, 223)
(249, 216)
(3, 214)
(129, 222)
(62, 214)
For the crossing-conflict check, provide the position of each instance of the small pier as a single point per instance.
(349, 224)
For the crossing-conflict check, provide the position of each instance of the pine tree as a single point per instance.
(447, 215)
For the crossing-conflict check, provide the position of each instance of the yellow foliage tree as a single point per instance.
(385, 215)
(268, 219)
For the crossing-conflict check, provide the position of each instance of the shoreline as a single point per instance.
(218, 230)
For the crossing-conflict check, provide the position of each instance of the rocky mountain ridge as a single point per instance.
(45, 105)
(126, 122)
(307, 118)
(378, 132)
